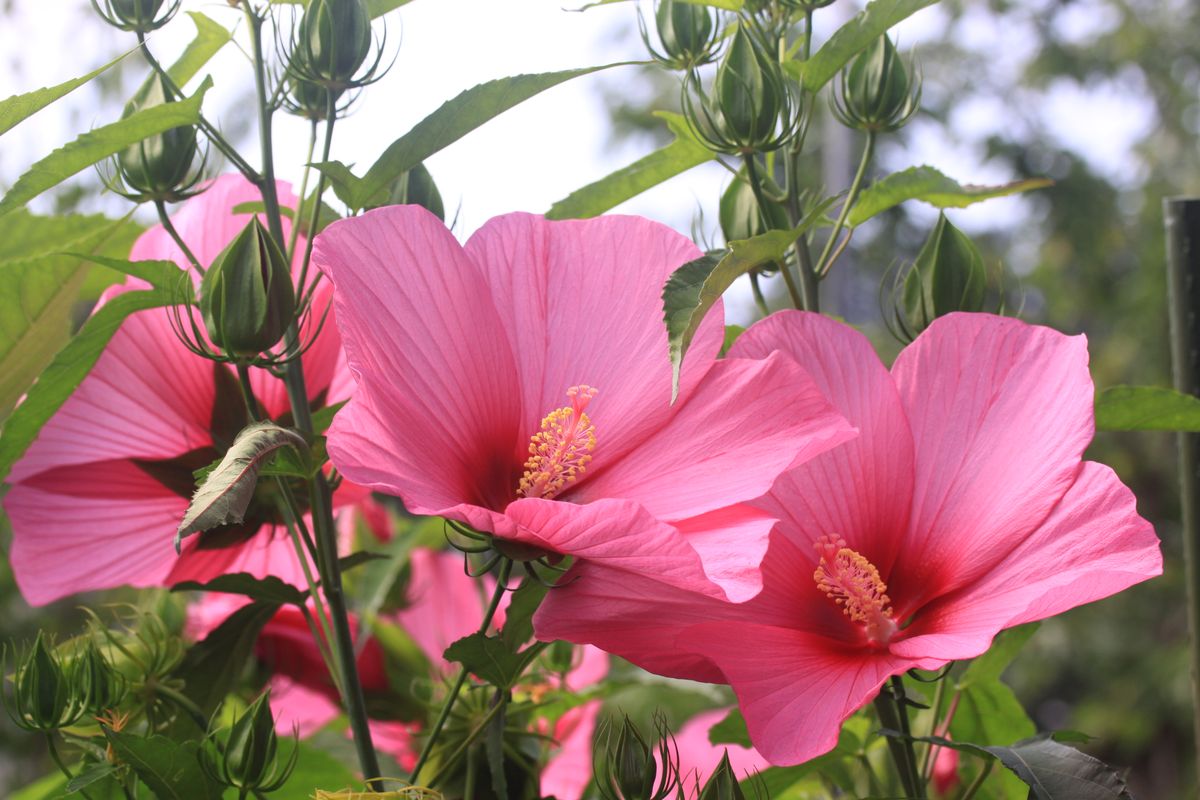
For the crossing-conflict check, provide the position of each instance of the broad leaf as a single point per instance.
(89, 776)
(490, 658)
(988, 711)
(1146, 408)
(596, 198)
(169, 769)
(1054, 771)
(731, 730)
(930, 186)
(20, 107)
(518, 617)
(226, 492)
(268, 589)
(315, 769)
(68, 369)
(854, 37)
(210, 38)
(449, 123)
(213, 667)
(99, 144)
(165, 275)
(1004, 649)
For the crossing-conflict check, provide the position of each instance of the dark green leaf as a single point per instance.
(930, 186)
(679, 156)
(268, 589)
(212, 668)
(1054, 771)
(854, 37)
(518, 618)
(94, 773)
(490, 658)
(99, 144)
(69, 367)
(19, 107)
(731, 730)
(315, 769)
(226, 492)
(1004, 649)
(1146, 408)
(169, 769)
(210, 38)
(359, 558)
(449, 123)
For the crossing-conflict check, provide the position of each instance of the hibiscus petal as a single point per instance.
(747, 422)
(444, 604)
(731, 542)
(795, 689)
(861, 490)
(1091, 546)
(435, 415)
(582, 304)
(569, 770)
(1001, 412)
(698, 757)
(268, 552)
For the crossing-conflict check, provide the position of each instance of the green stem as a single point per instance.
(759, 299)
(808, 278)
(181, 700)
(56, 758)
(169, 227)
(752, 175)
(312, 146)
(472, 737)
(977, 784)
(243, 373)
(323, 636)
(472, 776)
(506, 565)
(265, 112)
(315, 217)
(824, 262)
(893, 714)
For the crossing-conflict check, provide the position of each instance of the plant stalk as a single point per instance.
(800, 299)
(827, 257)
(893, 714)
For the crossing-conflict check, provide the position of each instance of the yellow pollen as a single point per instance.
(853, 582)
(561, 449)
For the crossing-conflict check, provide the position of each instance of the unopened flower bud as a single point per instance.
(634, 767)
(250, 753)
(42, 694)
(688, 33)
(100, 686)
(560, 656)
(948, 275)
(635, 770)
(723, 783)
(877, 92)
(335, 37)
(246, 296)
(415, 187)
(137, 16)
(740, 215)
(160, 167)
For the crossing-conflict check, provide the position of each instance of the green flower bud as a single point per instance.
(309, 100)
(630, 770)
(948, 275)
(740, 215)
(43, 696)
(560, 656)
(99, 684)
(251, 749)
(161, 166)
(634, 767)
(723, 784)
(414, 187)
(877, 94)
(688, 33)
(246, 296)
(137, 16)
(336, 39)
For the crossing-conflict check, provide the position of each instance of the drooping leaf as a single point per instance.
(1054, 771)
(1004, 649)
(1146, 408)
(679, 156)
(99, 144)
(449, 123)
(20, 107)
(731, 730)
(518, 617)
(227, 490)
(695, 287)
(490, 658)
(171, 770)
(268, 589)
(855, 36)
(67, 370)
(210, 38)
(212, 667)
(931, 186)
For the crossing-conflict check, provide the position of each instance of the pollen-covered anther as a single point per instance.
(853, 582)
(561, 449)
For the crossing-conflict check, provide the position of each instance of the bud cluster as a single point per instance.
(630, 770)
(57, 687)
(689, 35)
(250, 759)
(877, 92)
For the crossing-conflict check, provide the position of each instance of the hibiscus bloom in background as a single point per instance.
(96, 500)
(521, 385)
(962, 508)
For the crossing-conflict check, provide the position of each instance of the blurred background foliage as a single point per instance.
(1085, 255)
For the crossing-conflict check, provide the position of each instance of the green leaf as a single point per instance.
(94, 773)
(99, 144)
(268, 589)
(489, 657)
(51, 786)
(169, 769)
(1054, 771)
(210, 38)
(988, 712)
(315, 769)
(449, 123)
(854, 37)
(1004, 649)
(165, 275)
(732, 332)
(679, 156)
(69, 367)
(42, 286)
(1146, 408)
(226, 492)
(20, 107)
(322, 418)
(731, 730)
(518, 617)
(695, 287)
(212, 667)
(930, 186)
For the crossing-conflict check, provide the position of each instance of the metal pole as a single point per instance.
(1182, 220)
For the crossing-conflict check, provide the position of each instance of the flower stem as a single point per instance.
(315, 217)
(474, 735)
(506, 565)
(978, 782)
(893, 715)
(169, 227)
(827, 257)
(312, 147)
(799, 300)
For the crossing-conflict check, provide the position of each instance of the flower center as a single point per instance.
(853, 582)
(561, 449)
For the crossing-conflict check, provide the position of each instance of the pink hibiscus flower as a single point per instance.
(963, 508)
(520, 385)
(96, 500)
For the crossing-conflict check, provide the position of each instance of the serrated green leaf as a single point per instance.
(490, 658)
(169, 769)
(99, 144)
(210, 38)
(67, 370)
(731, 730)
(226, 492)
(211, 668)
(1004, 649)
(931, 186)
(268, 589)
(1146, 408)
(449, 123)
(1053, 771)
(19, 107)
(165, 275)
(679, 156)
(854, 37)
